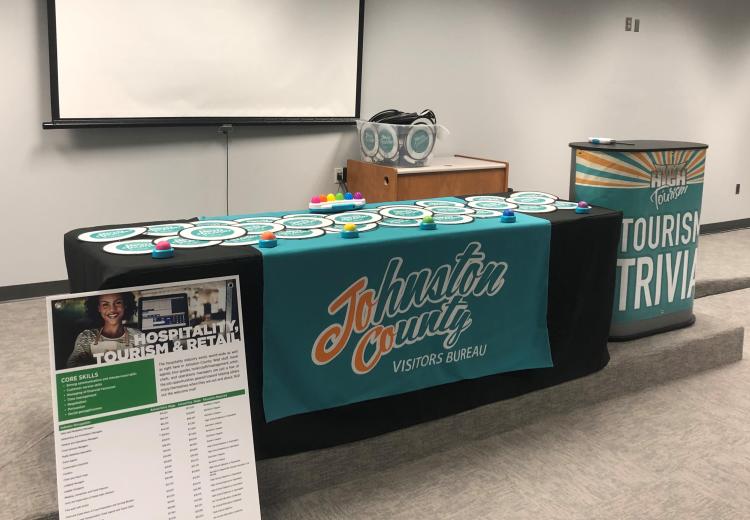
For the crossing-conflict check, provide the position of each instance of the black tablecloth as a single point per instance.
(583, 253)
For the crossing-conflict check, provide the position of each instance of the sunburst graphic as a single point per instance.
(633, 170)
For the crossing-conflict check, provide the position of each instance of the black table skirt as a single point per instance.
(583, 253)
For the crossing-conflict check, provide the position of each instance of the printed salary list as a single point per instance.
(166, 434)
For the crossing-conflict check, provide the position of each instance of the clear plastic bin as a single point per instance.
(398, 145)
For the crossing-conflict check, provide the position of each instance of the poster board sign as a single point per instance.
(150, 403)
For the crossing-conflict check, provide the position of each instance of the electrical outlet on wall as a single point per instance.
(629, 23)
(338, 175)
(737, 189)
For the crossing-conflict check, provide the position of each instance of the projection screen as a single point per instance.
(192, 62)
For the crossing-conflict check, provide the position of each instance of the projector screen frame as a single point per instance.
(124, 122)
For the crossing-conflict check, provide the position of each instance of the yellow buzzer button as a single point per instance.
(330, 197)
(350, 227)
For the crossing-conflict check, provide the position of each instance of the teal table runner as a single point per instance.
(400, 309)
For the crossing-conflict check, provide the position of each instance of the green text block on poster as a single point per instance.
(106, 388)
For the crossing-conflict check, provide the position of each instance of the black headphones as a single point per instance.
(397, 117)
(392, 136)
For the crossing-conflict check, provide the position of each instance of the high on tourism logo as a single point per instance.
(668, 182)
(405, 308)
(664, 175)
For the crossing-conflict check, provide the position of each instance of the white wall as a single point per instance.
(519, 79)
(511, 79)
(54, 181)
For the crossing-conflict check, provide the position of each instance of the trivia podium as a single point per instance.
(658, 185)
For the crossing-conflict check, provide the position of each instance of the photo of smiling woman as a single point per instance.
(108, 312)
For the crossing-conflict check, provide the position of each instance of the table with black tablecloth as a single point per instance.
(580, 285)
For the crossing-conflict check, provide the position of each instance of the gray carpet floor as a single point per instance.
(723, 262)
(677, 450)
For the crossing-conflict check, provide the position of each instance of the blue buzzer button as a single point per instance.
(268, 244)
(162, 253)
(349, 234)
(162, 249)
(508, 216)
(428, 223)
(349, 231)
(583, 207)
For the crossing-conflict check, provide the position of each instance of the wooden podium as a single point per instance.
(444, 177)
